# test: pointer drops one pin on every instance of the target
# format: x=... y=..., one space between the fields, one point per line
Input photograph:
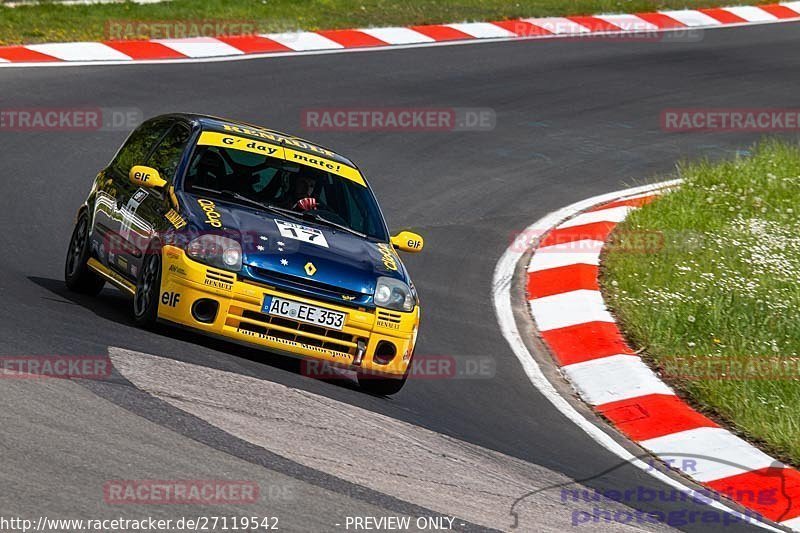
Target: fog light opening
x=205 y=310
x=384 y=353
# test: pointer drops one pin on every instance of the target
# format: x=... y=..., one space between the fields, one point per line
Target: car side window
x=138 y=146
x=167 y=155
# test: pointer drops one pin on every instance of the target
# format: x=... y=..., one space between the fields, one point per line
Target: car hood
x=279 y=249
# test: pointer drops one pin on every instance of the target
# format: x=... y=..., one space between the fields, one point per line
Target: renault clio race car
x=263 y=238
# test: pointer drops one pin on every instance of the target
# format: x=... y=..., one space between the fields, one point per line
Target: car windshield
x=242 y=175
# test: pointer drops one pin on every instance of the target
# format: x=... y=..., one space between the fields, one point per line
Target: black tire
x=148 y=290
x=77 y=275
x=380 y=386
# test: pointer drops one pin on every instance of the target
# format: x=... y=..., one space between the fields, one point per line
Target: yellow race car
x=246 y=233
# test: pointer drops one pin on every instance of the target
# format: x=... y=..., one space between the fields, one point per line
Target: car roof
x=259 y=133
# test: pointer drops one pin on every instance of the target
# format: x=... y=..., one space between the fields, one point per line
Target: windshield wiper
x=322 y=220
x=242 y=198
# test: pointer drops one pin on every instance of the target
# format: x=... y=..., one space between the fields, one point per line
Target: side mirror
x=146 y=177
x=407 y=241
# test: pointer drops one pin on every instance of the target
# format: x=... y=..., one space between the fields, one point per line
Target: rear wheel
x=148 y=288
x=77 y=274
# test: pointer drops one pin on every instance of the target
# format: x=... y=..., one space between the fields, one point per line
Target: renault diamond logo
x=310 y=268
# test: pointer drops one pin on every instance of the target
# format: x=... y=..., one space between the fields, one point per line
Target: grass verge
x=715 y=305
x=51 y=22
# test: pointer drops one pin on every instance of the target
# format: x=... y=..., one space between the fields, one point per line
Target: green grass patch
x=722 y=291
x=52 y=22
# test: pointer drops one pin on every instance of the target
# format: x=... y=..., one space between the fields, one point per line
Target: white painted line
x=569 y=309
x=482 y=30
x=793 y=523
x=304 y=40
x=692 y=18
x=630 y=23
x=613 y=214
x=502 y=282
x=80 y=51
x=584 y=252
x=559 y=25
x=717 y=453
x=751 y=13
x=200 y=47
x=398 y=35
x=614 y=378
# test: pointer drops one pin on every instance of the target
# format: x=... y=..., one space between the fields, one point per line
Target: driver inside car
x=302 y=194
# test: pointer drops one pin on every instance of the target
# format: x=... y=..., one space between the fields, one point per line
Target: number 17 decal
x=298 y=232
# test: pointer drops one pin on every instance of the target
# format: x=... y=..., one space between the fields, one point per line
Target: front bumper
x=239 y=317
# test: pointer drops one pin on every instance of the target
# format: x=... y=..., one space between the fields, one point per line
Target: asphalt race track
x=574 y=119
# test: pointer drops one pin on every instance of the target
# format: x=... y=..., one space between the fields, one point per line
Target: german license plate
x=310 y=314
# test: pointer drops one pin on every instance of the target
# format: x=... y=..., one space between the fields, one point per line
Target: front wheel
x=77 y=275
x=148 y=288
x=381 y=386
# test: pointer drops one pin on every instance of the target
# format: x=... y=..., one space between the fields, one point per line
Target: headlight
x=394 y=294
x=216 y=251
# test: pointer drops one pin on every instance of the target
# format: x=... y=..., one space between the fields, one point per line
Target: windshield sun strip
x=221 y=140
